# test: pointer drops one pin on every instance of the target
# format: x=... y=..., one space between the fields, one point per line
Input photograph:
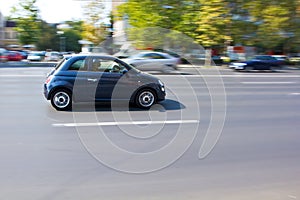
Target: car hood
x=143 y=77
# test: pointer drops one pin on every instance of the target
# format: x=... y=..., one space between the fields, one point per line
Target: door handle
x=92 y=80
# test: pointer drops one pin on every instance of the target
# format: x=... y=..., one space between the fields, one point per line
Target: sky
x=52 y=11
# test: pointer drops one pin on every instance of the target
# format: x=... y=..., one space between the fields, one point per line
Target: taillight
x=48 y=79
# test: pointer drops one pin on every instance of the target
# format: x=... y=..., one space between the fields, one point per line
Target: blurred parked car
x=14 y=56
x=3 y=55
x=182 y=59
x=36 y=56
x=24 y=54
x=295 y=60
x=53 y=56
x=153 y=61
x=201 y=59
x=260 y=62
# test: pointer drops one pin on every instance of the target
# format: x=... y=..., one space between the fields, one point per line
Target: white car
x=153 y=61
x=36 y=56
x=53 y=56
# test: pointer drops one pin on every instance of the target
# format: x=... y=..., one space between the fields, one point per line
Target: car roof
x=157 y=52
x=104 y=56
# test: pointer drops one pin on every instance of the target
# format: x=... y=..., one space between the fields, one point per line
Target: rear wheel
x=61 y=100
x=145 y=98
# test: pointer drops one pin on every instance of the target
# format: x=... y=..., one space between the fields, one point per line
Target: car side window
x=113 y=67
x=157 y=56
x=78 y=65
x=110 y=66
x=147 y=56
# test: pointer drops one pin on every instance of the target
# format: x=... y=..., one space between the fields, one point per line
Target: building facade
x=1 y=30
x=8 y=35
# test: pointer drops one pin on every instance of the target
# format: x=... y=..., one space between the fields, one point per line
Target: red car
x=14 y=56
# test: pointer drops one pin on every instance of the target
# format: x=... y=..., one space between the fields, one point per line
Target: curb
x=28 y=64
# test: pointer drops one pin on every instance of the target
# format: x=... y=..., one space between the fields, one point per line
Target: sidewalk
x=27 y=64
x=225 y=66
x=202 y=66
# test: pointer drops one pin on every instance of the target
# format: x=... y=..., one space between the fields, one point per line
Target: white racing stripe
x=126 y=123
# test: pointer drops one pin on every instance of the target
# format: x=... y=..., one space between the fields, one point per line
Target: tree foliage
x=94 y=29
x=26 y=15
x=212 y=21
x=50 y=39
x=273 y=21
x=268 y=24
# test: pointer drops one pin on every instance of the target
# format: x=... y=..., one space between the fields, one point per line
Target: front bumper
x=237 y=66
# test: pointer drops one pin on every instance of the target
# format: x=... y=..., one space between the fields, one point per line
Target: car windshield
x=35 y=54
x=265 y=58
x=62 y=61
x=140 y=55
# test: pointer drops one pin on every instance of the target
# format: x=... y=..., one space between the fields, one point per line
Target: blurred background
x=227 y=30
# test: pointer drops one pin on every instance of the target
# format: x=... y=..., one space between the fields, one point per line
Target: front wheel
x=145 y=98
x=61 y=100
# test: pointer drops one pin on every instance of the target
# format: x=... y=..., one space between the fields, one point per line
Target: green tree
x=213 y=20
x=71 y=38
x=49 y=39
x=167 y=14
x=268 y=24
x=275 y=21
x=26 y=15
x=188 y=20
x=94 y=29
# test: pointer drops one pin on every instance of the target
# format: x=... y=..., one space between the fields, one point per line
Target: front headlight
x=162 y=86
x=239 y=64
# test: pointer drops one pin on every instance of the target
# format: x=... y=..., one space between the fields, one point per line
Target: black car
x=98 y=78
x=260 y=62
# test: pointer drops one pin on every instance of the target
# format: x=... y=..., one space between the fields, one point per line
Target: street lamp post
x=62 y=41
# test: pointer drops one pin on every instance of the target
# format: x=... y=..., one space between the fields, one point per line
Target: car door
x=263 y=63
x=147 y=62
x=76 y=75
x=103 y=75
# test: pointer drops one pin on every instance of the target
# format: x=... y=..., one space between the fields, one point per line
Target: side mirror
x=124 y=71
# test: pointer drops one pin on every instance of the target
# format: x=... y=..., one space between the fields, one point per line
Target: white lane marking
x=295 y=93
x=233 y=76
x=125 y=123
x=267 y=83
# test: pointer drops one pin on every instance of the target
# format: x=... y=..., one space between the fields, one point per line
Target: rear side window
x=78 y=65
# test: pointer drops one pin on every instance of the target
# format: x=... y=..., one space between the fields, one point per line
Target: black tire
x=61 y=100
x=145 y=98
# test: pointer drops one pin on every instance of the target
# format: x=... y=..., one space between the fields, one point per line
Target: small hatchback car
x=98 y=78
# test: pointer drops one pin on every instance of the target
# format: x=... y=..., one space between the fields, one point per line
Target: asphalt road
x=219 y=135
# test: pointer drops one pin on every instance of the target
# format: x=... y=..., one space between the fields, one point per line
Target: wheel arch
x=146 y=87
x=53 y=90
